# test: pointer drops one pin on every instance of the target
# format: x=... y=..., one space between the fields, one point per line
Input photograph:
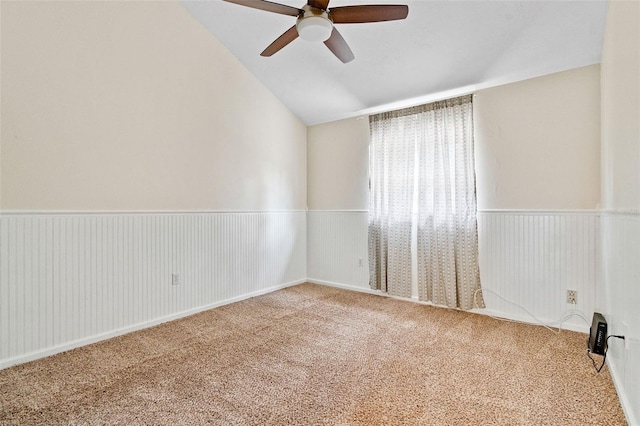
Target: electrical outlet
x=175 y=279
x=572 y=296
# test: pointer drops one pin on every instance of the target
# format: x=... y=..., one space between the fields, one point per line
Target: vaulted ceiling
x=443 y=48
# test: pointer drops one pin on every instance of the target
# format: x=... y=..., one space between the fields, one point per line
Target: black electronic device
x=598 y=334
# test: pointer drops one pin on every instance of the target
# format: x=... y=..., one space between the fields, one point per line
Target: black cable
x=593 y=361
x=604 y=357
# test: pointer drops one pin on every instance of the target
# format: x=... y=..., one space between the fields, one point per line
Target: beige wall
x=621 y=108
x=538 y=142
x=537 y=147
x=619 y=296
x=135 y=106
x=338 y=165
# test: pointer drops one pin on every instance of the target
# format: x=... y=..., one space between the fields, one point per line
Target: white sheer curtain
x=392 y=176
x=433 y=146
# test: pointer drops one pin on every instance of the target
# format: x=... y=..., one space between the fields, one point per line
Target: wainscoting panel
x=338 y=248
x=70 y=279
x=621 y=290
x=531 y=259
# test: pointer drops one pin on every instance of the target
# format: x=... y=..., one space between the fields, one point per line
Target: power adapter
x=597 y=343
x=598 y=334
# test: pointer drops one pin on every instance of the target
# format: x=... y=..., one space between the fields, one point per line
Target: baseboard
x=140 y=326
x=346 y=287
x=509 y=317
x=622 y=396
x=529 y=320
x=519 y=318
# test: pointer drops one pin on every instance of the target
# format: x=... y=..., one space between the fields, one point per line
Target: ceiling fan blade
x=268 y=6
x=319 y=4
x=370 y=13
x=286 y=38
x=339 y=47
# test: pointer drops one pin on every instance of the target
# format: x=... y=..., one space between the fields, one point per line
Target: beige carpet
x=315 y=355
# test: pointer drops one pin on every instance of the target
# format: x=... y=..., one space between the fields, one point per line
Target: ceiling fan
x=316 y=22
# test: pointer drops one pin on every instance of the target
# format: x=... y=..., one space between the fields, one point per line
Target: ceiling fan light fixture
x=314 y=28
x=315 y=22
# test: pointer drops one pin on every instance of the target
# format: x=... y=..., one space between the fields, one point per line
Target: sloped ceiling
x=442 y=49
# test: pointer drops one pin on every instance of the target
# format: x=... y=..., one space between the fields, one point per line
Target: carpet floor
x=314 y=355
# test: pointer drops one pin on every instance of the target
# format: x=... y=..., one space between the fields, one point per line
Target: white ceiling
x=442 y=49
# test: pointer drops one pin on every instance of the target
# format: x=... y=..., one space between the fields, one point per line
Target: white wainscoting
x=621 y=291
x=71 y=279
x=337 y=252
x=530 y=258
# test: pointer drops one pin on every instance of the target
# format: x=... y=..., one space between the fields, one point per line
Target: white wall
x=134 y=109
x=125 y=106
x=67 y=280
x=621 y=198
x=338 y=199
